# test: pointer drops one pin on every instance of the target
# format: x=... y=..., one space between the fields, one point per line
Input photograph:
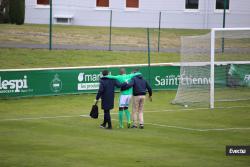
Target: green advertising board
x=45 y=82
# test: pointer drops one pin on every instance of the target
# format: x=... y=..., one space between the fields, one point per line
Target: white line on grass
x=192 y=129
x=193 y=109
x=204 y=108
x=153 y=124
x=195 y=129
x=171 y=126
x=37 y=118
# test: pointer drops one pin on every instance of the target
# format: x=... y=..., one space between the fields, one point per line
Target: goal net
x=215 y=67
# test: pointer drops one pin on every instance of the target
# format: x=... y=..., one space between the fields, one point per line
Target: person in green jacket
x=125 y=95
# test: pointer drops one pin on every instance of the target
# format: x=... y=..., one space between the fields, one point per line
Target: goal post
x=212 y=69
x=227 y=69
x=213 y=37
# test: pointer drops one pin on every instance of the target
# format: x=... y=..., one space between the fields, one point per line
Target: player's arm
x=133 y=74
x=112 y=76
x=119 y=84
x=128 y=85
x=149 y=90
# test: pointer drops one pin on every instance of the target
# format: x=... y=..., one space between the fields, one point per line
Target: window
x=63 y=19
x=220 y=4
x=102 y=3
x=192 y=4
x=132 y=3
x=42 y=2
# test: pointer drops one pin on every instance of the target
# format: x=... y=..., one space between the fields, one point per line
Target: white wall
x=174 y=14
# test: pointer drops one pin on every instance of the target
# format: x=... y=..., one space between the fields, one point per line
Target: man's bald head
x=122 y=71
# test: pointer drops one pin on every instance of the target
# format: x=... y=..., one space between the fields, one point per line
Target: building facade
x=197 y=14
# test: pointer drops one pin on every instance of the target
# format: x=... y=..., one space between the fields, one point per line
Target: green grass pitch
x=49 y=132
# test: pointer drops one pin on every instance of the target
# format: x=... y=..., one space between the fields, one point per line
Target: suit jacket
x=140 y=86
x=107 y=92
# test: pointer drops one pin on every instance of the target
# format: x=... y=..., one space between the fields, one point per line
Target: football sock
x=128 y=116
x=121 y=119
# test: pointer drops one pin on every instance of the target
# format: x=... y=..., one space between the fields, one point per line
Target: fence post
x=50 y=26
x=159 y=32
x=110 y=30
x=149 y=62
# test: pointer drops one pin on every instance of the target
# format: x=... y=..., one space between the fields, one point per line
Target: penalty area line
x=195 y=129
x=192 y=129
x=153 y=124
x=194 y=109
x=146 y=111
x=38 y=118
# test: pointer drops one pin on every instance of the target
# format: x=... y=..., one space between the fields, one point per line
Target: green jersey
x=124 y=78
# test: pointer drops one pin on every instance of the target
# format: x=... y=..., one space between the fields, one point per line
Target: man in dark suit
x=106 y=93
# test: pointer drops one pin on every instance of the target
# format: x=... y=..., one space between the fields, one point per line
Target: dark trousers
x=107 y=118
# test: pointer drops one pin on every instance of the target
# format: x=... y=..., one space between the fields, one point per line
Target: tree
x=20 y=10
x=12 y=11
x=4 y=11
